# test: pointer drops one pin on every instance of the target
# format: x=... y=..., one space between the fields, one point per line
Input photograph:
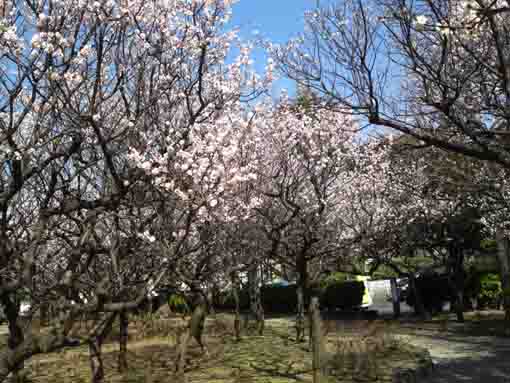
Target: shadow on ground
x=493 y=368
x=463 y=357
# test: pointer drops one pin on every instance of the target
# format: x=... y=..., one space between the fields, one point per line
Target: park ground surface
x=468 y=353
x=274 y=357
x=472 y=352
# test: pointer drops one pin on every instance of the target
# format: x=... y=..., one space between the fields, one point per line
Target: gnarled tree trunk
x=210 y=301
x=256 y=308
x=123 y=340
x=315 y=338
x=237 y=314
x=419 y=307
x=260 y=319
x=44 y=314
x=194 y=329
x=503 y=244
x=15 y=338
x=302 y=269
x=31 y=345
x=95 y=345
x=457 y=269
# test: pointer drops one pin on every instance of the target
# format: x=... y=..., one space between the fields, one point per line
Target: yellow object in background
x=367 y=299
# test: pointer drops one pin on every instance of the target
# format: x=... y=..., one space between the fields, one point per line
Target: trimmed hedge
x=333 y=278
x=283 y=299
x=275 y=298
x=344 y=295
x=280 y=299
x=434 y=289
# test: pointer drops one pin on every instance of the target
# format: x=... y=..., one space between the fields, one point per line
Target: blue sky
x=274 y=20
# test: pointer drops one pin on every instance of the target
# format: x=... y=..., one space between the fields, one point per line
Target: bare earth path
x=466 y=359
x=459 y=358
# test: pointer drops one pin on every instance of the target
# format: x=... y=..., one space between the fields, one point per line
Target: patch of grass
x=273 y=358
x=365 y=358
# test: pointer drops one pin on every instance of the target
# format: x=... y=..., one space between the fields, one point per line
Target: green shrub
x=489 y=244
x=490 y=290
x=178 y=304
x=485 y=288
x=344 y=295
x=331 y=279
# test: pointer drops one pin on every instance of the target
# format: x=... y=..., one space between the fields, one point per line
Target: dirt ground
x=274 y=357
x=471 y=352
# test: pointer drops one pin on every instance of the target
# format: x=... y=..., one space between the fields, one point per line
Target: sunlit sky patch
x=273 y=20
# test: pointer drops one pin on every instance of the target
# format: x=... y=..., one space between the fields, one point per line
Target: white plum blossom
x=421 y=21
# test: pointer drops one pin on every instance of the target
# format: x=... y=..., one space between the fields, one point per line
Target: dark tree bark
x=210 y=301
x=395 y=298
x=302 y=269
x=44 y=314
x=96 y=362
x=237 y=314
x=15 y=339
x=315 y=338
x=194 y=329
x=257 y=311
x=123 y=340
x=458 y=277
x=504 y=261
x=95 y=345
x=419 y=307
x=197 y=323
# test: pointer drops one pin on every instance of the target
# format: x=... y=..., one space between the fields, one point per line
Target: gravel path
x=466 y=359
